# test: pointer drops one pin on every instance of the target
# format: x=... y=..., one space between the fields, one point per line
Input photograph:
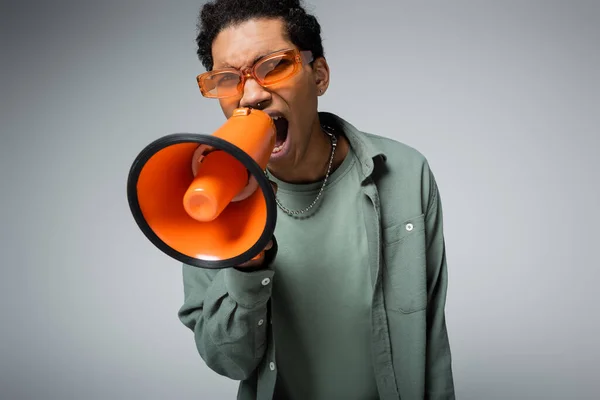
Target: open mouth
x=281 y=124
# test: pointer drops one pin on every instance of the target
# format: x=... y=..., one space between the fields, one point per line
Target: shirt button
x=266 y=281
x=272 y=366
x=409 y=227
x=262 y=321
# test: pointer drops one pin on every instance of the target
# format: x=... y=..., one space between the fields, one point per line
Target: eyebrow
x=226 y=65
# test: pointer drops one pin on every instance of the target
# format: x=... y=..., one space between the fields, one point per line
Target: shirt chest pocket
x=404 y=272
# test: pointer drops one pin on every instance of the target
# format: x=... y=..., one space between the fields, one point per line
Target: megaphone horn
x=205 y=200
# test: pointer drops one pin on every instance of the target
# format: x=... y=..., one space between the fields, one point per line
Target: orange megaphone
x=205 y=200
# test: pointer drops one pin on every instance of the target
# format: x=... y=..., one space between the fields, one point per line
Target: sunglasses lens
x=276 y=69
x=273 y=69
x=221 y=84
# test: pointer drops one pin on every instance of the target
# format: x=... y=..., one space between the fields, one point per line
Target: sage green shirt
x=229 y=311
x=322 y=292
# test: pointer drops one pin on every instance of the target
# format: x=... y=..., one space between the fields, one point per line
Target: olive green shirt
x=230 y=311
x=321 y=298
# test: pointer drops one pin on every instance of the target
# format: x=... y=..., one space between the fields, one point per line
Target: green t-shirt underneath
x=322 y=292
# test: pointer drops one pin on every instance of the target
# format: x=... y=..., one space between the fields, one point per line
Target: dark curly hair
x=303 y=29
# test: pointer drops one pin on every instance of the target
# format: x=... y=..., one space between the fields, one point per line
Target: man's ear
x=321 y=74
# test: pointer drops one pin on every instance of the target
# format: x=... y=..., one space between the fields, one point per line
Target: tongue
x=282 y=127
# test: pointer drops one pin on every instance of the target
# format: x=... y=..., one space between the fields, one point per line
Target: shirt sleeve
x=439 y=377
x=227 y=311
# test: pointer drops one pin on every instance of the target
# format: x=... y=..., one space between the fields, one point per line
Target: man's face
x=294 y=99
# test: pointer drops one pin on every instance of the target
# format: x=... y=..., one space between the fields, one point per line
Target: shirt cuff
x=249 y=289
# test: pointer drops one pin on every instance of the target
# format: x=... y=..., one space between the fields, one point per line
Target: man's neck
x=316 y=163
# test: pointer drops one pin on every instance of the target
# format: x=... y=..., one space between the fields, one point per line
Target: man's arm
x=439 y=377
x=227 y=311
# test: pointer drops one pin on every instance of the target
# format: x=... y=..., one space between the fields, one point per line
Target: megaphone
x=205 y=200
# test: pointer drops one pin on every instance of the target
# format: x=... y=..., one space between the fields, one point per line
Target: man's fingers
x=255 y=262
x=259 y=259
x=269 y=245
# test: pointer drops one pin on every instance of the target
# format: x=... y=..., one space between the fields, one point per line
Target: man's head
x=234 y=35
x=302 y=29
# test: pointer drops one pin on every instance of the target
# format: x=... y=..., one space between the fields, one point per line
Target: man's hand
x=259 y=259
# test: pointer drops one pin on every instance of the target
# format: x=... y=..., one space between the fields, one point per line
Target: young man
x=349 y=301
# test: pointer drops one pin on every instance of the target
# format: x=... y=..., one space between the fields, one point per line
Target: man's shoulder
x=399 y=156
x=401 y=161
x=400 y=171
x=394 y=150
x=403 y=177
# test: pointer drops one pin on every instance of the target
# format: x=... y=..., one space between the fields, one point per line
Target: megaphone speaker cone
x=217 y=214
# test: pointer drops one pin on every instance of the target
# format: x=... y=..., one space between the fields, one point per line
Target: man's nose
x=253 y=94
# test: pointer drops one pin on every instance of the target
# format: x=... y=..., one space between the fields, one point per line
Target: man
x=348 y=302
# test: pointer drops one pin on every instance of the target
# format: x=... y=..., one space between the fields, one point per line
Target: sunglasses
x=267 y=71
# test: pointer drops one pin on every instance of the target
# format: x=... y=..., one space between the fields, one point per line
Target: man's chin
x=279 y=166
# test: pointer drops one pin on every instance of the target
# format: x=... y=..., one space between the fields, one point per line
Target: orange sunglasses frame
x=300 y=57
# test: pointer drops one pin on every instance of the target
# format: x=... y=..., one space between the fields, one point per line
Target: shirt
x=229 y=311
x=321 y=297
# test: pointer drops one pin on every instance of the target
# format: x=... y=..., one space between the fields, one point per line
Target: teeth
x=280 y=147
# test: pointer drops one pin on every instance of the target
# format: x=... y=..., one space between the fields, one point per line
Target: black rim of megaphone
x=220 y=144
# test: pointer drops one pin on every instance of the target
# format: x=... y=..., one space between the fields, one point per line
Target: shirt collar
x=367 y=151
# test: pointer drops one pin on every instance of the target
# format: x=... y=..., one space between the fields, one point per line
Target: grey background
x=502 y=97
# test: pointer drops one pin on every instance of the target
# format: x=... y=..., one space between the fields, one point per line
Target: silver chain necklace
x=333 y=147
